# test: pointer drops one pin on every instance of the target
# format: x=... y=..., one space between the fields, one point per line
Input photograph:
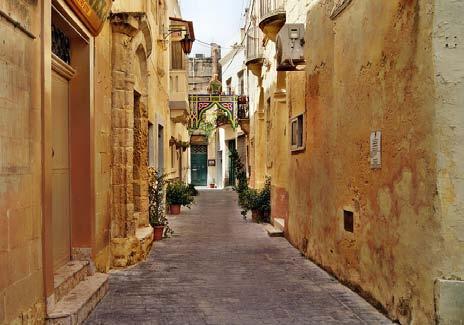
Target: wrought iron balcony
x=273 y=17
x=244 y=114
x=243 y=108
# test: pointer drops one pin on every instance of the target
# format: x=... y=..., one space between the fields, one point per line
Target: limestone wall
x=21 y=268
x=103 y=154
x=382 y=65
x=447 y=35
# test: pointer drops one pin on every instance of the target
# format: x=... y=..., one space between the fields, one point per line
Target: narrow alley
x=337 y=123
x=220 y=269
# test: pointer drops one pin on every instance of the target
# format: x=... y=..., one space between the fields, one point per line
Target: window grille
x=61 y=45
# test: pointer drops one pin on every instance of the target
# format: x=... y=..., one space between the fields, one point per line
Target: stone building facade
x=84 y=110
x=202 y=69
x=380 y=77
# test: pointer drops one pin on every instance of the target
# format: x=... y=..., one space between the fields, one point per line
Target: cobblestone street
x=220 y=269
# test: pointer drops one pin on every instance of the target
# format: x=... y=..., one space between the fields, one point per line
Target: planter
x=174 y=209
x=212 y=185
x=158 y=232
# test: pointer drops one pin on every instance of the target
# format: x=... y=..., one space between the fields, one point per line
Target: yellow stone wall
x=21 y=271
x=375 y=67
x=103 y=152
x=21 y=179
x=393 y=66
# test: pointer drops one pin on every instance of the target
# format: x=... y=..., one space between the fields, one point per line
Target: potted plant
x=178 y=194
x=213 y=184
x=251 y=202
x=264 y=201
x=156 y=208
x=184 y=145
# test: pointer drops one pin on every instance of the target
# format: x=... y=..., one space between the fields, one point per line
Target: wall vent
x=348 y=220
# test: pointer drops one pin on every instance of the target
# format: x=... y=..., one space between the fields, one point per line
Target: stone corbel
x=125 y=23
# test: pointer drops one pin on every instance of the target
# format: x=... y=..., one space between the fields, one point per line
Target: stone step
x=68 y=277
x=279 y=223
x=273 y=231
x=75 y=307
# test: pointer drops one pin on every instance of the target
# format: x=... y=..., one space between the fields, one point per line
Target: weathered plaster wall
x=372 y=68
x=21 y=268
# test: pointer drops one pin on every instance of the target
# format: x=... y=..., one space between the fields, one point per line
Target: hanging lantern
x=186 y=44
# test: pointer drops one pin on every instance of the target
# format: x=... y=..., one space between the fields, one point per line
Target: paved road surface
x=220 y=269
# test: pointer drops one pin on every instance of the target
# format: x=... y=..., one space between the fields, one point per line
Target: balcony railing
x=271 y=7
x=254 y=50
x=243 y=108
x=243 y=114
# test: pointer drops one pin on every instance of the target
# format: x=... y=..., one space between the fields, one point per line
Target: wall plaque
x=376 y=150
x=93 y=13
x=211 y=162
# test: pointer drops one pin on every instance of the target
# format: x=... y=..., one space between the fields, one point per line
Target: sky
x=214 y=21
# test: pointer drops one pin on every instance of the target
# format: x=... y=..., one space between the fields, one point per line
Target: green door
x=199 y=163
x=232 y=176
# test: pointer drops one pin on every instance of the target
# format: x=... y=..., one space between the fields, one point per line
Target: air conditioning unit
x=290 y=48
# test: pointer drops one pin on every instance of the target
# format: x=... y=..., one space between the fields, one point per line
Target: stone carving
x=93 y=13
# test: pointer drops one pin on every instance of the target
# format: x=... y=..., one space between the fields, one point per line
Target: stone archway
x=140 y=152
x=131 y=236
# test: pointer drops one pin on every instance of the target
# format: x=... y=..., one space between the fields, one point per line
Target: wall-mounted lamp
x=186 y=42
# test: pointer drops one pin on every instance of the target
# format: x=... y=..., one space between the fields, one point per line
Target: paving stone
x=221 y=269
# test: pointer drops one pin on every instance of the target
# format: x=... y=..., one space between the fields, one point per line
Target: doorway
x=232 y=175
x=199 y=162
x=61 y=172
x=160 y=148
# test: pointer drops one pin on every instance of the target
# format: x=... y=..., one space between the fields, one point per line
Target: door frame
x=67 y=72
x=82 y=140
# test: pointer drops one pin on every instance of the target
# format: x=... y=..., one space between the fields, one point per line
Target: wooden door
x=61 y=217
x=199 y=163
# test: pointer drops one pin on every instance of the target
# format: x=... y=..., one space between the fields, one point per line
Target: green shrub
x=178 y=193
x=250 y=198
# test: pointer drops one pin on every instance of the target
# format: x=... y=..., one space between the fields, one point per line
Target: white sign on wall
x=376 y=149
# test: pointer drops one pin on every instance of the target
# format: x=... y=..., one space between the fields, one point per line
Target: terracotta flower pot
x=158 y=232
x=174 y=209
x=212 y=186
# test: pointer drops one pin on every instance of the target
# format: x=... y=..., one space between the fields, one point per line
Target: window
x=173 y=157
x=151 y=145
x=229 y=86
x=160 y=147
x=297 y=133
x=177 y=56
